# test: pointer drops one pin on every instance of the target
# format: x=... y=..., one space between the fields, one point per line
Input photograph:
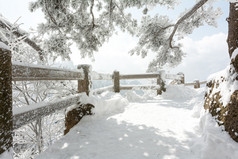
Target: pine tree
x=91 y=23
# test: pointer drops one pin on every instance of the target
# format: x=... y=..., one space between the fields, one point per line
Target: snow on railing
x=28 y=114
x=22 y=72
x=29 y=72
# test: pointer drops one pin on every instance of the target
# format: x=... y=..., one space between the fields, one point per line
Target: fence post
x=161 y=83
x=6 y=116
x=74 y=116
x=182 y=79
x=116 y=81
x=85 y=84
x=196 y=84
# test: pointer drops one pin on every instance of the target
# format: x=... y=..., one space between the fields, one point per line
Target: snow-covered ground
x=171 y=126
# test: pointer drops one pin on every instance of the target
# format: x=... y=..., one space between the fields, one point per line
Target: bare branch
x=28 y=103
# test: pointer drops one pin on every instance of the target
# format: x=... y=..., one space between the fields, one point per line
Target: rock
x=75 y=115
x=225 y=115
x=231 y=120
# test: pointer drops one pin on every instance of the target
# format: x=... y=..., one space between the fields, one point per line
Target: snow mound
x=7 y=155
x=133 y=97
x=4 y=46
x=179 y=92
x=108 y=103
x=214 y=143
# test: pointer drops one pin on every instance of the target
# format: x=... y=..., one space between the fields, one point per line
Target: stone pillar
x=6 y=117
x=116 y=81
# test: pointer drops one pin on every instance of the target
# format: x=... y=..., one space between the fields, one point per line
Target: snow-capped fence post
x=196 y=84
x=6 y=116
x=116 y=81
x=85 y=84
x=182 y=81
x=75 y=115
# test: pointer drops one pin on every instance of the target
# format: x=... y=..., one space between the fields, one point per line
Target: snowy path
x=156 y=129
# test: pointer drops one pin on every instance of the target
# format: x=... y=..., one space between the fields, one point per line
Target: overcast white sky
x=206 y=48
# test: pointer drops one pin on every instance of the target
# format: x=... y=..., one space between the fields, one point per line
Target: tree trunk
x=232 y=20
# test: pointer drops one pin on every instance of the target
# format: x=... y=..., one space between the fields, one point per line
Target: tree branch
x=110 y=12
x=183 y=18
x=8 y=26
x=91 y=12
x=52 y=18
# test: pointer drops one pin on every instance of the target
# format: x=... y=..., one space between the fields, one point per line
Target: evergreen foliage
x=90 y=23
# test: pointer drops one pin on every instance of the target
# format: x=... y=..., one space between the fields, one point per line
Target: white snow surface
x=171 y=126
x=4 y=46
x=235 y=52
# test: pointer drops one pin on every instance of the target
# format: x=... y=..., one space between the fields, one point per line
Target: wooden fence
x=18 y=72
x=21 y=72
x=196 y=83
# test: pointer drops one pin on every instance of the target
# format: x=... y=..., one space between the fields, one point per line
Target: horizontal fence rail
x=196 y=83
x=158 y=76
x=103 y=89
x=23 y=72
x=100 y=76
x=139 y=76
x=28 y=114
x=150 y=75
x=139 y=87
x=203 y=82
